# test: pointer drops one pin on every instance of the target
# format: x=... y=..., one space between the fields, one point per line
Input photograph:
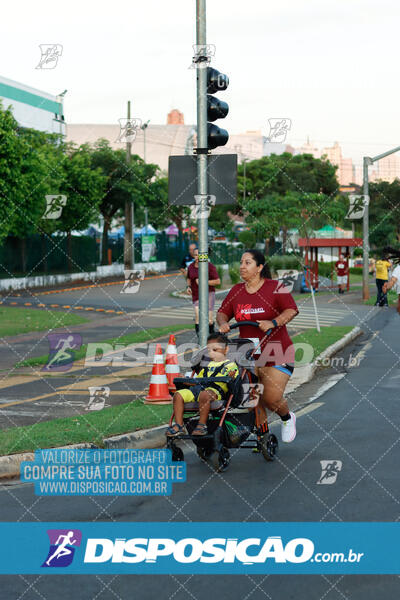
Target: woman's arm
x=214 y=282
x=223 y=322
x=287 y=315
x=389 y=284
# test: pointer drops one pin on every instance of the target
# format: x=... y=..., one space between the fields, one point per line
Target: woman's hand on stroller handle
x=266 y=326
x=225 y=327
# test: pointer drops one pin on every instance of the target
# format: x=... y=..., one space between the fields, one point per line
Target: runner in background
x=382 y=267
x=395 y=278
x=187 y=260
x=342 y=272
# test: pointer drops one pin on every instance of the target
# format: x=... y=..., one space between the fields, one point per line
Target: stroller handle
x=252 y=323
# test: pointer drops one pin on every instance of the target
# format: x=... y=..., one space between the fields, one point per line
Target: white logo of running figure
x=132 y=281
x=128 y=130
x=50 y=55
x=54 y=206
x=62 y=549
x=286 y=281
x=357 y=206
x=98 y=397
x=202 y=55
x=196 y=212
x=330 y=471
x=278 y=129
x=251 y=394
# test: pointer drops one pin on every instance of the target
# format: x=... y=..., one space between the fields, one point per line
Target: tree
x=124 y=182
x=41 y=174
x=84 y=187
x=11 y=156
x=279 y=188
x=384 y=213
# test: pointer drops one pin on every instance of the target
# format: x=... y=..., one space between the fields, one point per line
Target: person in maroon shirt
x=193 y=288
x=264 y=300
x=342 y=271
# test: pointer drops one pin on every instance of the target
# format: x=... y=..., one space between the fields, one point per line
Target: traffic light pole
x=367 y=161
x=129 y=213
x=202 y=222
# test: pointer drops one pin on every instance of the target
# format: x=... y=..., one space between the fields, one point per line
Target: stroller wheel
x=269 y=446
x=220 y=460
x=177 y=453
x=203 y=453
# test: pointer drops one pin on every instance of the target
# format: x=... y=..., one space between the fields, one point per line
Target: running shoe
x=288 y=429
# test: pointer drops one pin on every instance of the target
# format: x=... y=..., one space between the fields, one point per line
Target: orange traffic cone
x=171 y=363
x=158 y=390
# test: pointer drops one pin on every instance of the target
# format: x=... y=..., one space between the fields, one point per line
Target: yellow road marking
x=66 y=393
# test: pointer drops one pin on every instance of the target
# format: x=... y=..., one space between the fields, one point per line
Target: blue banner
x=199 y=548
x=98 y=472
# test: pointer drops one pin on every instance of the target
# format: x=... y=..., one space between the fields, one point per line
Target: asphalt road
x=356 y=422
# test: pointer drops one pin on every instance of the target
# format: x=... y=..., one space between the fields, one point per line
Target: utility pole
x=367 y=161
x=202 y=151
x=244 y=181
x=144 y=127
x=129 y=257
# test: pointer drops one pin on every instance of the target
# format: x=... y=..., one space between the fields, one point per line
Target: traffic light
x=216 y=108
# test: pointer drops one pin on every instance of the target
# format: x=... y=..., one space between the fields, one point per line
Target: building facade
x=31 y=107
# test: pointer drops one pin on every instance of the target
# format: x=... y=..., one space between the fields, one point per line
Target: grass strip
x=92 y=427
x=130 y=338
x=320 y=341
x=391 y=296
x=14 y=321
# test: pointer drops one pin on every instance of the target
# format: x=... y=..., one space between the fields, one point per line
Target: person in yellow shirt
x=382 y=266
x=219 y=366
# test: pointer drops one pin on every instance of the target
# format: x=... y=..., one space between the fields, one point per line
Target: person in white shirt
x=394 y=280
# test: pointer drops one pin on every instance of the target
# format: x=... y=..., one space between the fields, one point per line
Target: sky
x=329 y=66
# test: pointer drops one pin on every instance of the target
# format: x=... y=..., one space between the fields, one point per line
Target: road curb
x=155 y=437
x=9 y=465
x=144 y=438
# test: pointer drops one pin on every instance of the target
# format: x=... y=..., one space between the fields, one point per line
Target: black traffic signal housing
x=216 y=108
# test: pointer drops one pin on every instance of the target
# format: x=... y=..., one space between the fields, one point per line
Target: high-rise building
x=309 y=148
x=388 y=168
x=345 y=173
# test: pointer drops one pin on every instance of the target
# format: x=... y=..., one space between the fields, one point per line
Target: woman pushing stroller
x=264 y=300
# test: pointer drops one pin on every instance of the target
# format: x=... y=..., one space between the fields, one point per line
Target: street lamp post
x=244 y=180
x=60 y=117
x=129 y=254
x=144 y=127
x=367 y=161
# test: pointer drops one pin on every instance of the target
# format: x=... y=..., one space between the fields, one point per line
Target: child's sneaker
x=288 y=428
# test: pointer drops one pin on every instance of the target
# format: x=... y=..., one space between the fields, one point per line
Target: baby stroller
x=232 y=420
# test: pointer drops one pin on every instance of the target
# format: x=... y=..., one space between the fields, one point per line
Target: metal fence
x=38 y=255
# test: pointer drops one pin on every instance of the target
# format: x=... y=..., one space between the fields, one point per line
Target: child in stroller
x=218 y=368
x=226 y=421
